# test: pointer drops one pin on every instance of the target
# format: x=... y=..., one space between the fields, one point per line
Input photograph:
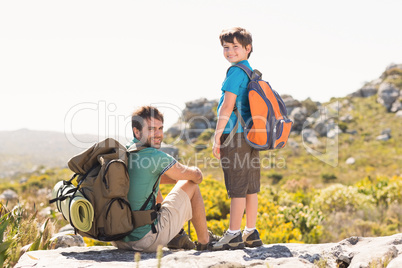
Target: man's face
x=151 y=133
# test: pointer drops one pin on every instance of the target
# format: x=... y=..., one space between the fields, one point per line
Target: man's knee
x=188 y=187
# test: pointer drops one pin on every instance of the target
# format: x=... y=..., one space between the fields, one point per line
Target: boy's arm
x=225 y=111
x=181 y=172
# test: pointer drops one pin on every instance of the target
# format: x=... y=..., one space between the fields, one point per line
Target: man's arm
x=167 y=180
x=181 y=172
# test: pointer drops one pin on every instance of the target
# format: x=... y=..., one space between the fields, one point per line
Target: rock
x=367 y=90
x=8 y=195
x=298 y=116
x=202 y=108
x=346 y=118
x=197 y=116
x=310 y=136
x=397 y=105
x=385 y=135
x=61 y=240
x=350 y=161
x=387 y=95
x=321 y=128
x=332 y=133
x=290 y=103
x=351 y=252
x=170 y=150
x=399 y=114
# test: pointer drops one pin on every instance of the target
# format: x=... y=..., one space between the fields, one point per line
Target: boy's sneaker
x=208 y=246
x=252 y=239
x=229 y=241
x=181 y=241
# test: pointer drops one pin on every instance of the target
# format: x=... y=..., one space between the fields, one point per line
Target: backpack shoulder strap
x=253 y=75
x=136 y=147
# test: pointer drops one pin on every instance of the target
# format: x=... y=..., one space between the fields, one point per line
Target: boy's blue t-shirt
x=236 y=81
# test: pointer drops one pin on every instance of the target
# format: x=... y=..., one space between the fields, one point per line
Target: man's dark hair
x=242 y=36
x=145 y=112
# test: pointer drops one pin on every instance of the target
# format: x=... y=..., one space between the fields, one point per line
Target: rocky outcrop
x=351 y=252
x=197 y=116
x=388 y=94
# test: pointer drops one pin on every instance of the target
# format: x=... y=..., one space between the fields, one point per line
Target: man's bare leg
x=197 y=205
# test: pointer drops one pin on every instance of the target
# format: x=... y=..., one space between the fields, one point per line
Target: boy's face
x=235 y=52
x=151 y=133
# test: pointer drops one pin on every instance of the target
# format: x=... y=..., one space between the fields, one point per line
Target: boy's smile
x=235 y=52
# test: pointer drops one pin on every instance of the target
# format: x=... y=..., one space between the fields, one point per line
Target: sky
x=84 y=66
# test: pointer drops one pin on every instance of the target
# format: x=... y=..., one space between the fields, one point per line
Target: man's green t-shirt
x=144 y=169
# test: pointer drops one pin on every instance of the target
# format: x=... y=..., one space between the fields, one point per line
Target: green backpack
x=98 y=206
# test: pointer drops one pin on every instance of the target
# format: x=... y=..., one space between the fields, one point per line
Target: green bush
x=340 y=197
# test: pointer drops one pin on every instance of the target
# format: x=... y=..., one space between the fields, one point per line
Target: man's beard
x=148 y=143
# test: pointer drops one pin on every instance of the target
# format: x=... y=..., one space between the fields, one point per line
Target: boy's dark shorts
x=241 y=166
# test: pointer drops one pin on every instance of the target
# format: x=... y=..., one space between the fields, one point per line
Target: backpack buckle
x=256 y=75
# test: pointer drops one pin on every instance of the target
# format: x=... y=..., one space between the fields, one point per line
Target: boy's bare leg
x=199 y=219
x=251 y=210
x=237 y=206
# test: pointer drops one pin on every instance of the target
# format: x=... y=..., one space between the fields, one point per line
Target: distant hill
x=24 y=150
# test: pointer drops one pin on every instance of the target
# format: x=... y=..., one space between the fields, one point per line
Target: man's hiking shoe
x=229 y=241
x=252 y=239
x=181 y=241
x=212 y=238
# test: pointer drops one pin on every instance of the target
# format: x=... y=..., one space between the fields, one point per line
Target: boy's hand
x=216 y=149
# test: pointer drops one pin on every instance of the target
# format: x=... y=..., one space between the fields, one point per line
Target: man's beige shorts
x=174 y=212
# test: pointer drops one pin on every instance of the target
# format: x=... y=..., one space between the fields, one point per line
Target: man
x=184 y=202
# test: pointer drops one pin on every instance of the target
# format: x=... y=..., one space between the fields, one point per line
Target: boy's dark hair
x=145 y=112
x=242 y=36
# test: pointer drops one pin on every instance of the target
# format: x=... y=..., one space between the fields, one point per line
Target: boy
x=240 y=162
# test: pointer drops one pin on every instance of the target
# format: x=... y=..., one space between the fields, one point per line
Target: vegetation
x=302 y=199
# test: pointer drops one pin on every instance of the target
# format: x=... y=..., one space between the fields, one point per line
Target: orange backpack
x=270 y=127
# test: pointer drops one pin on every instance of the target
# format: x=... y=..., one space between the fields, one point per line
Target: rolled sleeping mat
x=77 y=206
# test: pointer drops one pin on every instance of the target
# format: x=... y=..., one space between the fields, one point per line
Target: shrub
x=339 y=197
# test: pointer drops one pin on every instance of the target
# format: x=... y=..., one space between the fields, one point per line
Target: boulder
x=368 y=89
x=387 y=95
x=197 y=116
x=385 y=135
x=351 y=252
x=298 y=116
x=8 y=195
x=200 y=108
x=290 y=103
x=170 y=150
x=350 y=161
x=397 y=105
x=310 y=136
x=67 y=240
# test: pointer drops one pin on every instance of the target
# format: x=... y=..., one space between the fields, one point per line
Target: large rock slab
x=351 y=252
